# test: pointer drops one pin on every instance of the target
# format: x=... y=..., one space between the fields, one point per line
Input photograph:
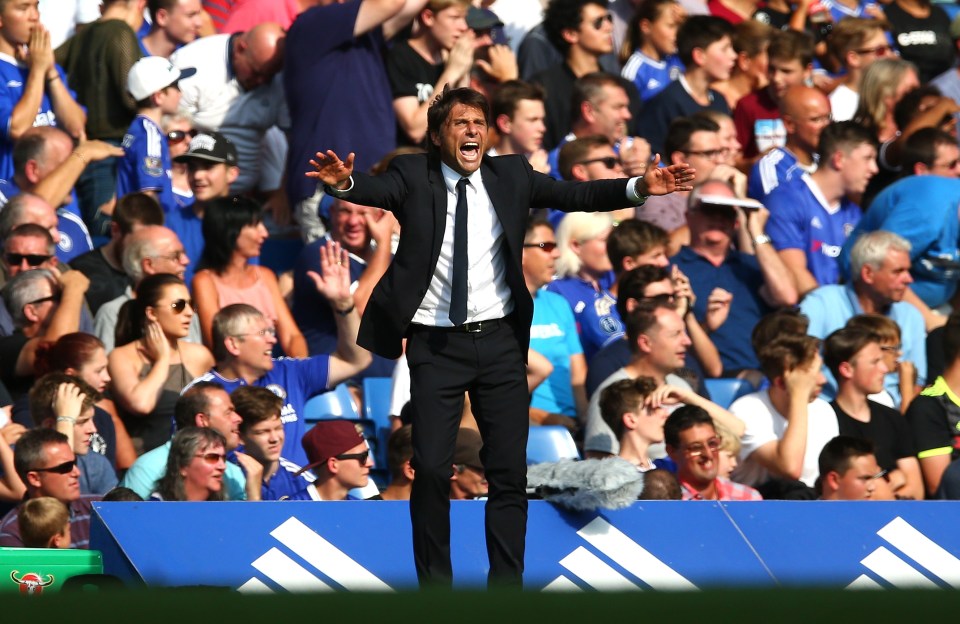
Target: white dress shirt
x=488 y=296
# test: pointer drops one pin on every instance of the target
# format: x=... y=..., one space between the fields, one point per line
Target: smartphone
x=731 y=202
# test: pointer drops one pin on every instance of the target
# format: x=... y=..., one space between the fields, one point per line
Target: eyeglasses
x=34 y=260
x=179 y=136
x=54 y=298
x=263 y=333
x=64 y=468
x=212 y=458
x=897 y=348
x=711 y=154
x=880 y=50
x=180 y=305
x=880 y=475
x=548 y=246
x=173 y=256
x=598 y=22
x=608 y=161
x=696 y=450
x=360 y=457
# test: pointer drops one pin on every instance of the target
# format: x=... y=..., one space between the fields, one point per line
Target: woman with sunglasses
x=179 y=131
x=234 y=234
x=195 y=467
x=83 y=355
x=153 y=365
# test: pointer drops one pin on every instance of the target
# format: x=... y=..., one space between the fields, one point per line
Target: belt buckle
x=473 y=328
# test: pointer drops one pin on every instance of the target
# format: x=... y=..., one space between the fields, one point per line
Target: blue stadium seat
x=724 y=392
x=376 y=408
x=336 y=403
x=550 y=443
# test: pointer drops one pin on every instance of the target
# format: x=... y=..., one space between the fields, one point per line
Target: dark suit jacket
x=413 y=189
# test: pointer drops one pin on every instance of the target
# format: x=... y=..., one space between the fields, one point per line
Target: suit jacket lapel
x=501 y=200
x=439 y=191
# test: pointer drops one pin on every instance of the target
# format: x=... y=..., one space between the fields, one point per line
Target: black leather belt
x=475 y=327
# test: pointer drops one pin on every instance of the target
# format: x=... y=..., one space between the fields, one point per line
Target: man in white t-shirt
x=856 y=42
x=658 y=338
x=786 y=425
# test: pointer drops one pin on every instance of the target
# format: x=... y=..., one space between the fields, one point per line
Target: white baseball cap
x=153 y=73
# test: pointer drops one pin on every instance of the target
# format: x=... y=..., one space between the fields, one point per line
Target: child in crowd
x=652 y=39
x=44 y=523
x=146 y=165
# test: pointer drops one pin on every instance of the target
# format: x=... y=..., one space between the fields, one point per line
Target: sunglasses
x=64 y=468
x=598 y=22
x=34 y=260
x=263 y=333
x=212 y=458
x=880 y=50
x=179 y=136
x=360 y=457
x=55 y=298
x=180 y=305
x=608 y=161
x=696 y=450
x=547 y=246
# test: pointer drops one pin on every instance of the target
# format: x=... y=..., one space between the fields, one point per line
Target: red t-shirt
x=751 y=108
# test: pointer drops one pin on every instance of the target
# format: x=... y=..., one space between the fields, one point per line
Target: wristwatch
x=760 y=239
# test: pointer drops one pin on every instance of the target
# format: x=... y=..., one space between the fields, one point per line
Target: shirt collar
x=451 y=177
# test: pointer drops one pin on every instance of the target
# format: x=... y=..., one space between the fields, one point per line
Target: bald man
x=147 y=251
x=236 y=92
x=805 y=112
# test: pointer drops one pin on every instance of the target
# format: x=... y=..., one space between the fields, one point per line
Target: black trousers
x=490 y=366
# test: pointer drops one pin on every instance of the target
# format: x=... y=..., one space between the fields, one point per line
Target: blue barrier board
x=360 y=545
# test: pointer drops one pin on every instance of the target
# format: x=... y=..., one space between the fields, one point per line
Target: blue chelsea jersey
x=13 y=79
x=145 y=165
x=294 y=380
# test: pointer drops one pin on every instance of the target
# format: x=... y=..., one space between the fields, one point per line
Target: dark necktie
x=458 y=283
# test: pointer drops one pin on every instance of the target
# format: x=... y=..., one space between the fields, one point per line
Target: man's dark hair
x=32 y=230
x=791 y=45
x=575 y=151
x=951 y=337
x=29 y=453
x=561 y=15
x=589 y=89
x=660 y=484
x=843 y=345
x=533 y=222
x=255 y=405
x=909 y=105
x=782 y=322
x=843 y=136
x=838 y=454
x=443 y=104
x=620 y=397
x=155 y=5
x=633 y=282
x=43 y=395
x=786 y=353
x=699 y=31
x=642 y=318
x=683 y=418
x=509 y=95
x=193 y=401
x=921 y=147
x=30 y=147
x=680 y=131
x=399 y=450
x=633 y=237
x=137 y=209
x=122 y=494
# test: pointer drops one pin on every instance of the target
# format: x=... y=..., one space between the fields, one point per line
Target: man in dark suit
x=456 y=291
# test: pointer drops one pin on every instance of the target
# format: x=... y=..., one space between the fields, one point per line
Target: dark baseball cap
x=210 y=146
x=482 y=19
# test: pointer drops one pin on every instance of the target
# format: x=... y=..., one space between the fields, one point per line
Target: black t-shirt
x=887 y=429
x=106 y=282
x=410 y=75
x=10 y=348
x=766 y=15
x=934 y=420
x=924 y=42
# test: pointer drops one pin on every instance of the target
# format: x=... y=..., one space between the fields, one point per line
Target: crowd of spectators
x=152 y=147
